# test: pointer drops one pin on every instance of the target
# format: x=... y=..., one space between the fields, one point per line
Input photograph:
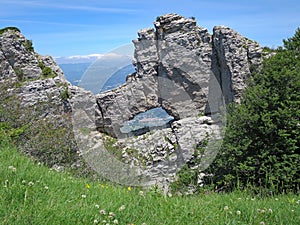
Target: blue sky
x=81 y=27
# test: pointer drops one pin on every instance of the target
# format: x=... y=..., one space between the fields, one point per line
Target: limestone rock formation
x=180 y=67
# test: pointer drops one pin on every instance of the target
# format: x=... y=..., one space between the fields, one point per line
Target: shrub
x=9 y=28
x=262 y=143
x=28 y=45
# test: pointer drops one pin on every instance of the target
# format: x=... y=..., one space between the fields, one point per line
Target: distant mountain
x=74 y=71
x=118 y=78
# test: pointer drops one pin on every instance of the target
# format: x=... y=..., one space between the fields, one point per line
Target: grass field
x=34 y=194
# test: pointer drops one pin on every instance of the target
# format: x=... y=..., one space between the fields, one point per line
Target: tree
x=262 y=141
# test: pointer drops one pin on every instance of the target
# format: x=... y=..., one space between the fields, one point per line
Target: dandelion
x=83 y=196
x=226 y=208
x=129 y=188
x=46 y=187
x=96 y=221
x=122 y=208
x=30 y=183
x=102 y=212
x=238 y=212
x=141 y=193
x=88 y=186
x=262 y=223
x=97 y=206
x=24 y=182
x=116 y=221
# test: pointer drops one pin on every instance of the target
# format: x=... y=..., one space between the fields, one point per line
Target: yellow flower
x=129 y=188
x=88 y=186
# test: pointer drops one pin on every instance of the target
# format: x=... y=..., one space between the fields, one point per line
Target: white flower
x=141 y=193
x=122 y=208
x=270 y=210
x=96 y=221
x=97 y=206
x=116 y=221
x=12 y=168
x=83 y=196
x=46 y=187
x=262 y=223
x=24 y=182
x=226 y=208
x=102 y=211
x=238 y=212
x=30 y=183
x=111 y=215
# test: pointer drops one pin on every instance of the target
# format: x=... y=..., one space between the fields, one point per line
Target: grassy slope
x=57 y=198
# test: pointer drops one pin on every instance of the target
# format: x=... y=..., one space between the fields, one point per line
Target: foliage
x=64 y=95
x=20 y=74
x=187 y=178
x=9 y=28
x=47 y=72
x=28 y=45
x=33 y=194
x=261 y=146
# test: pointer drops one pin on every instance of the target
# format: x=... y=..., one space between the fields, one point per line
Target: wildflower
x=122 y=208
x=96 y=221
x=129 y=188
x=12 y=168
x=111 y=215
x=262 y=223
x=30 y=183
x=276 y=199
x=252 y=199
x=270 y=210
x=226 y=208
x=46 y=187
x=116 y=221
x=83 y=196
x=238 y=212
x=88 y=186
x=24 y=182
x=102 y=211
x=97 y=206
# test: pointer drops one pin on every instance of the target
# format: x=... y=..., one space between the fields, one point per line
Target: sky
x=83 y=27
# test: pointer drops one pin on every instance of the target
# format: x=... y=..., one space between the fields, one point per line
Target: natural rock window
x=142 y=123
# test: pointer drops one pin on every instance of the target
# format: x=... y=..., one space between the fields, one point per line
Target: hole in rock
x=142 y=123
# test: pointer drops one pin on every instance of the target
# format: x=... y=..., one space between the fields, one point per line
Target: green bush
x=262 y=142
x=9 y=28
x=28 y=45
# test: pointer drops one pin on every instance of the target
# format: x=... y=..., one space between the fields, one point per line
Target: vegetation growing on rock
x=262 y=143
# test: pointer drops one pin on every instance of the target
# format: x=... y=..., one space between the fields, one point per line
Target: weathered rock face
x=179 y=67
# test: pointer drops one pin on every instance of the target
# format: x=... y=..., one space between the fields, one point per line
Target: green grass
x=34 y=194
